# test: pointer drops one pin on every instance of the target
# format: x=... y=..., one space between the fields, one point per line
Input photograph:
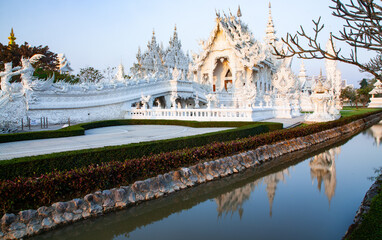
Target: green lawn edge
x=31 y=193
x=371 y=226
x=63 y=161
x=79 y=129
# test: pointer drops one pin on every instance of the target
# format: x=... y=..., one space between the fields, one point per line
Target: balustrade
x=201 y=114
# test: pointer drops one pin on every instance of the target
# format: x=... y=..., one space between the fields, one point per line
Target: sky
x=105 y=33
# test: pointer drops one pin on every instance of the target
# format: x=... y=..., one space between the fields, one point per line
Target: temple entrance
x=222 y=76
x=228 y=80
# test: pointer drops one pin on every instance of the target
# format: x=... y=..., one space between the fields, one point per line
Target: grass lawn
x=350 y=111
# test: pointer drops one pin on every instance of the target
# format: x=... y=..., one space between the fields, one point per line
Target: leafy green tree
x=363 y=92
x=15 y=52
x=348 y=94
x=90 y=74
x=363 y=83
x=45 y=74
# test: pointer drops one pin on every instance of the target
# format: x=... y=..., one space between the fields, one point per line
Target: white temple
x=63 y=64
x=376 y=102
x=233 y=78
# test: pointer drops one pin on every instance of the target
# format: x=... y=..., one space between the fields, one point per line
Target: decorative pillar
x=167 y=100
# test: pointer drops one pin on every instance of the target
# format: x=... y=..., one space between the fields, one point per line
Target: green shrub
x=79 y=129
x=12 y=137
x=33 y=192
x=36 y=165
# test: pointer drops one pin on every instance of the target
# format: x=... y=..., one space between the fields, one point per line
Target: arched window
x=228 y=74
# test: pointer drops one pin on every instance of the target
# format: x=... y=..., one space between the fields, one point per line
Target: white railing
x=201 y=114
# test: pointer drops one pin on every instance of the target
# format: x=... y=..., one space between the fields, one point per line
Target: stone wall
x=31 y=222
x=365 y=206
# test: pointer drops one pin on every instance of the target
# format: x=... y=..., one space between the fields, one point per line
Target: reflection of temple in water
x=376 y=132
x=323 y=168
x=272 y=180
x=233 y=201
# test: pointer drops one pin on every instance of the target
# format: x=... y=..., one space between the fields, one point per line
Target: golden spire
x=239 y=12
x=11 y=39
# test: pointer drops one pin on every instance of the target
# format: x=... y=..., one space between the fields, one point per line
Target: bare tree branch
x=362 y=30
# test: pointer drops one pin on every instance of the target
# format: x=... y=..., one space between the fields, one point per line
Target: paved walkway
x=99 y=137
x=287 y=122
x=108 y=136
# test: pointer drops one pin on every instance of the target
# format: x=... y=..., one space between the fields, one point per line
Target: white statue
x=210 y=97
x=145 y=100
x=321 y=102
x=28 y=70
x=158 y=103
x=120 y=75
x=197 y=101
x=6 y=76
x=173 y=98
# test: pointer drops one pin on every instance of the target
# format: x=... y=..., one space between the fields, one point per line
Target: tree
x=109 y=73
x=14 y=53
x=348 y=94
x=45 y=74
x=362 y=30
x=90 y=74
x=363 y=83
x=363 y=92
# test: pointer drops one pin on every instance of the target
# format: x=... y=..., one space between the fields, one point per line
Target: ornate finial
x=175 y=28
x=270 y=31
x=153 y=32
x=302 y=64
x=11 y=39
x=239 y=12
x=302 y=74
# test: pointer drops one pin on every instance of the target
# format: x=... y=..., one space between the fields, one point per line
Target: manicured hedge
x=12 y=137
x=36 y=165
x=79 y=129
x=23 y=193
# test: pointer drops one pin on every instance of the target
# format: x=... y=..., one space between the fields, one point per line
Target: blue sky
x=101 y=33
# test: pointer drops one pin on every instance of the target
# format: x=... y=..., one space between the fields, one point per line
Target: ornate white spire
x=302 y=74
x=153 y=38
x=139 y=56
x=174 y=55
x=332 y=75
x=63 y=64
x=270 y=36
x=120 y=76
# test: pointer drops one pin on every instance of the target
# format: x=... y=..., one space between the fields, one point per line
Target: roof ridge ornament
x=239 y=12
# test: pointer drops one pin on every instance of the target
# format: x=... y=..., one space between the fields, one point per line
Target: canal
x=312 y=195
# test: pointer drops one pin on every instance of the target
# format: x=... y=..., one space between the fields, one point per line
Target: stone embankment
x=365 y=206
x=31 y=222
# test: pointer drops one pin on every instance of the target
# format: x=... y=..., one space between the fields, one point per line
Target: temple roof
x=250 y=52
x=246 y=48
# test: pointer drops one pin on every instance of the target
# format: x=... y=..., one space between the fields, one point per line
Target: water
x=311 y=196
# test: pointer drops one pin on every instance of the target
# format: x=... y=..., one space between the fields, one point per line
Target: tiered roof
x=248 y=50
